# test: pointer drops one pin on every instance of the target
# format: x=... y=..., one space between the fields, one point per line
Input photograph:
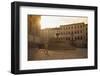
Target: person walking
x=46 y=49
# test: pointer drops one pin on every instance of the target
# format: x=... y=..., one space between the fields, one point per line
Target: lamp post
x=46 y=45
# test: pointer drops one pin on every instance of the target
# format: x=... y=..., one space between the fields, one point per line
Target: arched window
x=72 y=32
x=80 y=31
x=78 y=37
x=75 y=27
x=80 y=26
x=77 y=32
x=81 y=37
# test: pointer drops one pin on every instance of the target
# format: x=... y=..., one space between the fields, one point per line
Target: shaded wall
x=33 y=30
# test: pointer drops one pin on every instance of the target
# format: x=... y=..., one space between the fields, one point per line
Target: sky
x=56 y=21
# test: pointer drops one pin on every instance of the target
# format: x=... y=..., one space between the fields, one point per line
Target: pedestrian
x=46 y=49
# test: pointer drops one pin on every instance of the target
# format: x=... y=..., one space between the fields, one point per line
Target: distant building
x=74 y=34
x=48 y=33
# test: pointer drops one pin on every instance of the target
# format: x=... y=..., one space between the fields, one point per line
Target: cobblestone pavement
x=43 y=54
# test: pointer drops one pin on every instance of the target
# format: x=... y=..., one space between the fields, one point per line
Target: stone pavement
x=43 y=54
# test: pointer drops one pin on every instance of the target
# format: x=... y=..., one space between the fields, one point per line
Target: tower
x=34 y=30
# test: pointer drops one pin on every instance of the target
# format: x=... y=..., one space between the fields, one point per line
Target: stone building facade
x=73 y=34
